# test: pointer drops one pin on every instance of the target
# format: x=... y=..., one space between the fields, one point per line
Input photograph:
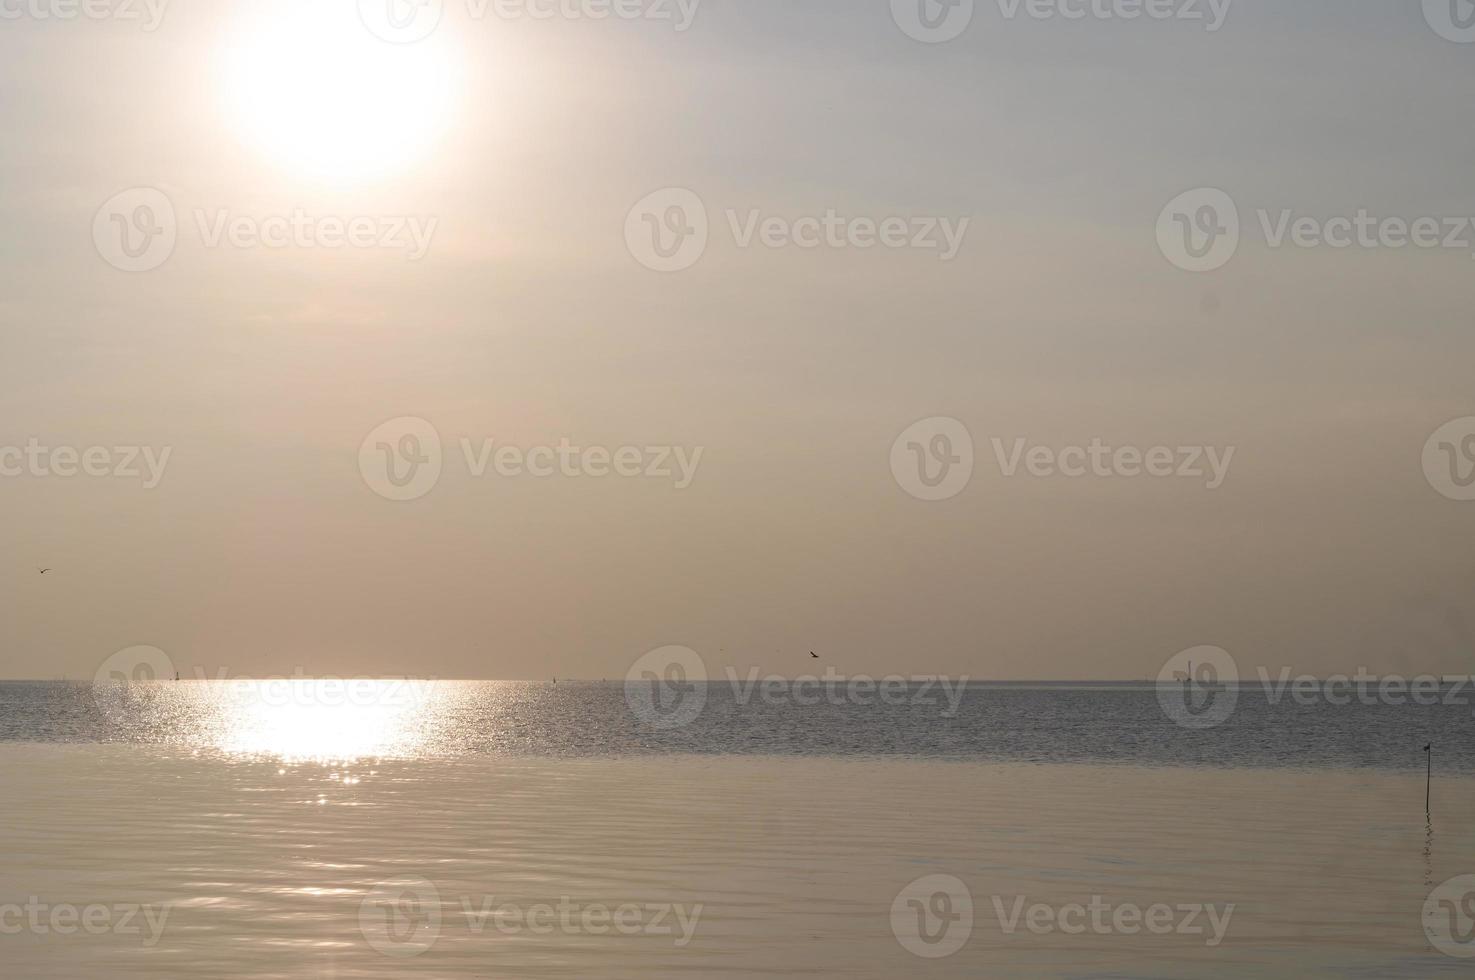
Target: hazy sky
x=263 y=549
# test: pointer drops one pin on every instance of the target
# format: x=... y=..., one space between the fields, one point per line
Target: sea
x=427 y=828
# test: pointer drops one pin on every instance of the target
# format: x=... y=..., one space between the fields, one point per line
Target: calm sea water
x=1056 y=723
x=469 y=830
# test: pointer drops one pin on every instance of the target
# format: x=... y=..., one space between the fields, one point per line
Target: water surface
x=308 y=832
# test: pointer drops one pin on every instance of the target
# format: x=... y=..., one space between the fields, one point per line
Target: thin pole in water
x=1428 y=774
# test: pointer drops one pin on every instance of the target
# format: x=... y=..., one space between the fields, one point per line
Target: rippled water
x=300 y=834
x=266 y=868
x=415 y=718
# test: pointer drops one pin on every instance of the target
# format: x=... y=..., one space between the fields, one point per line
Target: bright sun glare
x=308 y=85
x=304 y=720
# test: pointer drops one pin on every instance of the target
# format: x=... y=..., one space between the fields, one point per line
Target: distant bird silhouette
x=43 y=571
x=814 y=655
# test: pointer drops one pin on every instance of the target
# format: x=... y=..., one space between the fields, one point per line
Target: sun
x=309 y=86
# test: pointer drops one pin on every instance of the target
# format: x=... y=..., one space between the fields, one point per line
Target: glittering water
x=469 y=829
x=300 y=719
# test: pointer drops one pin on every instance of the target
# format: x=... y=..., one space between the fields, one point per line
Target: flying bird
x=43 y=571
x=814 y=655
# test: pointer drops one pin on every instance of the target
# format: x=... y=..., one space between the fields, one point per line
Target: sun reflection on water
x=307 y=720
x=339 y=721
